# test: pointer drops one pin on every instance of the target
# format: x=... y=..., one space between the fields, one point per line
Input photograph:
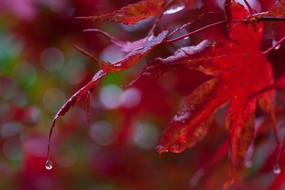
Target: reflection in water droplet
x=277 y=47
x=274 y=42
x=181 y=116
x=48 y=165
x=174 y=9
x=276 y=169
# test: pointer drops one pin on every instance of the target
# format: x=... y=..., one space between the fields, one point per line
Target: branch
x=105 y=34
x=195 y=31
x=100 y=63
x=272 y=18
x=188 y=23
x=167 y=5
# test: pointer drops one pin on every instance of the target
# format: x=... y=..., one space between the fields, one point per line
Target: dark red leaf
x=75 y=98
x=138 y=50
x=133 y=13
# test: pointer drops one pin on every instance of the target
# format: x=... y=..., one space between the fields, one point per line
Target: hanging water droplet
x=276 y=169
x=48 y=165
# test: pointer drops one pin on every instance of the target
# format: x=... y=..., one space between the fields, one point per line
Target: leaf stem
x=106 y=35
x=157 y=19
x=266 y=52
x=188 y=23
x=100 y=63
x=195 y=31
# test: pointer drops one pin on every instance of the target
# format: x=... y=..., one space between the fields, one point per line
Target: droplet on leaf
x=181 y=117
x=274 y=43
x=276 y=169
x=48 y=165
x=174 y=9
x=277 y=47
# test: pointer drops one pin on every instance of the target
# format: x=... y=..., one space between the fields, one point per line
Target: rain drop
x=277 y=47
x=174 y=9
x=48 y=165
x=274 y=42
x=276 y=169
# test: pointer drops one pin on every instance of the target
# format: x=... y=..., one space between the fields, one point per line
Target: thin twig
x=195 y=31
x=105 y=34
x=157 y=19
x=188 y=24
x=180 y=28
x=272 y=18
x=100 y=63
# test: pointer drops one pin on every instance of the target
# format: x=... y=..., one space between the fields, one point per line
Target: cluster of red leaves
x=240 y=75
x=136 y=12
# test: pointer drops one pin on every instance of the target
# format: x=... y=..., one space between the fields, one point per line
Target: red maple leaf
x=137 y=50
x=133 y=13
x=239 y=69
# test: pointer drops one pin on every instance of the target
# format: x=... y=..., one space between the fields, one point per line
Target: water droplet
x=277 y=47
x=181 y=117
x=274 y=42
x=48 y=165
x=150 y=38
x=276 y=169
x=174 y=9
